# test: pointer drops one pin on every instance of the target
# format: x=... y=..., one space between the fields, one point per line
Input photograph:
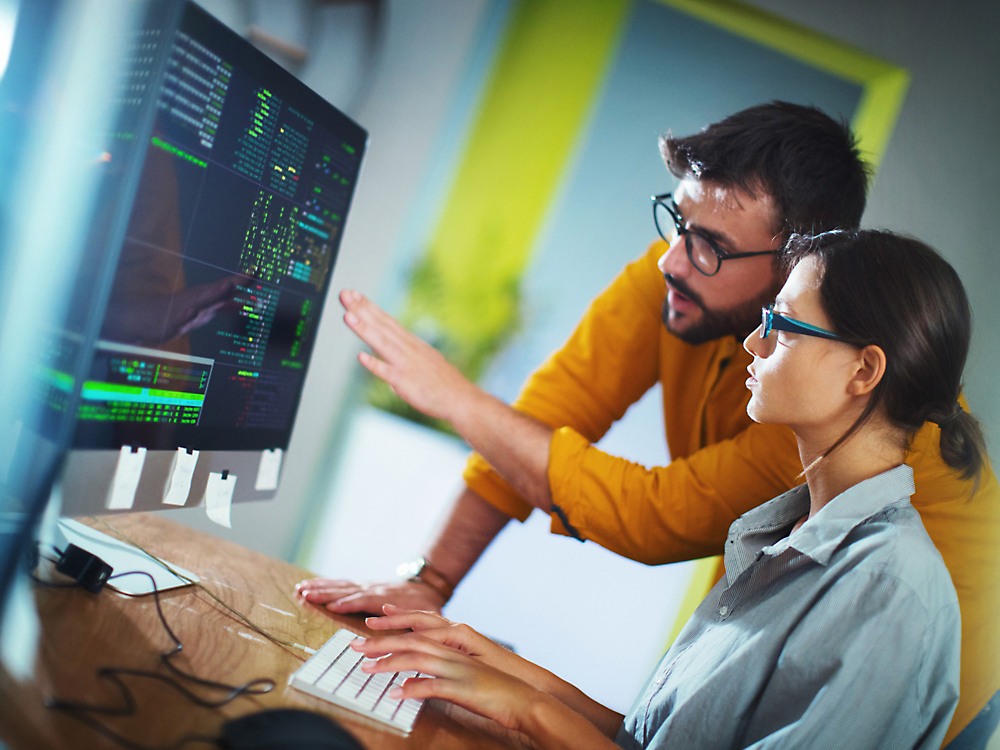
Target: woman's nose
x=755 y=345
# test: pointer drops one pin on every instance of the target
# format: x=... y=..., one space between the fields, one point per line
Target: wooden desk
x=82 y=632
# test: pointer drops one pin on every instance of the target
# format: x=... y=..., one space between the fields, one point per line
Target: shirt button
x=723 y=609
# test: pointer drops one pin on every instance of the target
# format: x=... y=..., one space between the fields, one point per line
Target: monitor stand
x=123 y=557
x=56 y=533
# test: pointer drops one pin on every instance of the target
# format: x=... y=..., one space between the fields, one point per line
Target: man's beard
x=714 y=324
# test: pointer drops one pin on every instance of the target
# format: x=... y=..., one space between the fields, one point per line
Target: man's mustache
x=684 y=289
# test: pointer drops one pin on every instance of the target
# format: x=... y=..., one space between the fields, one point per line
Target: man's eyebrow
x=720 y=239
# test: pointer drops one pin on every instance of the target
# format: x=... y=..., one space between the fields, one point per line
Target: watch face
x=411 y=568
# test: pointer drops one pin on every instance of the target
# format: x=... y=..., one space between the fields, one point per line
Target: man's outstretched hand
x=346 y=597
x=414 y=369
x=516 y=444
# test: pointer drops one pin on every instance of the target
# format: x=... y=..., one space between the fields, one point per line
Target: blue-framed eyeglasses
x=775 y=321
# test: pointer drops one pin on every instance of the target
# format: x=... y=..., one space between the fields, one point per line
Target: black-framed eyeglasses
x=775 y=321
x=703 y=252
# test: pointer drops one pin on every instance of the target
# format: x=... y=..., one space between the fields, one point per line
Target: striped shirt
x=843 y=634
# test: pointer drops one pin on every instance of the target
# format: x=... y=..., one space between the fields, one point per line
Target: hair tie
x=954 y=413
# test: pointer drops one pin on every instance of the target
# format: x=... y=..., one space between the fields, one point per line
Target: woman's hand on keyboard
x=347 y=597
x=463 y=638
x=471 y=671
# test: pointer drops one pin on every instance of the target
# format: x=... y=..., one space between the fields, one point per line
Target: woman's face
x=801 y=380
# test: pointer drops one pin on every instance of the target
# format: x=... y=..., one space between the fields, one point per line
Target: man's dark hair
x=807 y=162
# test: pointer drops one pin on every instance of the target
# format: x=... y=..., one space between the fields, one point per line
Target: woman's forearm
x=602 y=717
x=553 y=725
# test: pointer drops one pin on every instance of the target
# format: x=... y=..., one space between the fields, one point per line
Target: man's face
x=699 y=308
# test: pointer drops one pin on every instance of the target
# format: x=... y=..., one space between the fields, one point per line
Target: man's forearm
x=515 y=444
x=468 y=530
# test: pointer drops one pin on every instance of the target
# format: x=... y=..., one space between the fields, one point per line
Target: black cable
x=82 y=711
x=287 y=645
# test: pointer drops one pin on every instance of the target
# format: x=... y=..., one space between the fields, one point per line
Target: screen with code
x=245 y=183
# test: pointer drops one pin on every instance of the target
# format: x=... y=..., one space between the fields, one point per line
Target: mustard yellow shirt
x=722 y=463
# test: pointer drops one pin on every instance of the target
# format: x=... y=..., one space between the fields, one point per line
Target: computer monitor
x=55 y=61
x=171 y=208
x=235 y=180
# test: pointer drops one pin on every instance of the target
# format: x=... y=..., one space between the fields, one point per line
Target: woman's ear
x=870 y=369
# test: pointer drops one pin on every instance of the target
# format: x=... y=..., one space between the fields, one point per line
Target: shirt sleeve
x=676 y=512
x=608 y=363
x=887 y=676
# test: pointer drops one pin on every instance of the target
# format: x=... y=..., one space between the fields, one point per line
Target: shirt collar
x=763 y=529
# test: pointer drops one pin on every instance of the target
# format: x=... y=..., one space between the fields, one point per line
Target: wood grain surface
x=83 y=632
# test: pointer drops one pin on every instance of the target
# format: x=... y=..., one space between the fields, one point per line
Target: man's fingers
x=324 y=583
x=319 y=592
x=360 y=601
x=375 y=326
x=375 y=366
x=373 y=334
x=347 y=597
x=370 y=317
x=339 y=596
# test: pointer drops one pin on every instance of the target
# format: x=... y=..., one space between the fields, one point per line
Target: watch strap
x=421 y=571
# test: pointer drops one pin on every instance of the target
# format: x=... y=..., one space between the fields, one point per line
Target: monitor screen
x=55 y=115
x=239 y=179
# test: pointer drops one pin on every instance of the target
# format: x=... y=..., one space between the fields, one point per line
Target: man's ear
x=870 y=370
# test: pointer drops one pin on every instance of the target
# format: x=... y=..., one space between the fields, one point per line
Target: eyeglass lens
x=701 y=253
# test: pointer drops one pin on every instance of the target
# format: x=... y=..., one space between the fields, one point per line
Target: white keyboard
x=334 y=674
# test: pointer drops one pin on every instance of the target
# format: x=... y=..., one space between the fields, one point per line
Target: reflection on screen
x=230 y=244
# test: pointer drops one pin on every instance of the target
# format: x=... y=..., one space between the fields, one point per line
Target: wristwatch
x=421 y=571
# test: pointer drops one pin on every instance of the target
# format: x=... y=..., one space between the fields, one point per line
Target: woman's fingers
x=452 y=676
x=397 y=618
x=380 y=645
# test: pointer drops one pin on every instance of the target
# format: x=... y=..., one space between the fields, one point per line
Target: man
x=747 y=183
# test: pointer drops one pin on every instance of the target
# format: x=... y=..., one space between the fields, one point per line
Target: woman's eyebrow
x=786 y=309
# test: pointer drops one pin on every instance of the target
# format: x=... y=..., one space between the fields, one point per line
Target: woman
x=836 y=624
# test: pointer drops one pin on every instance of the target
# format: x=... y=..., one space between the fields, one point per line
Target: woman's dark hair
x=806 y=161
x=897 y=293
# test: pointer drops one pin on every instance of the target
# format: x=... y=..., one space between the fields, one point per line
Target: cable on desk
x=290 y=647
x=82 y=711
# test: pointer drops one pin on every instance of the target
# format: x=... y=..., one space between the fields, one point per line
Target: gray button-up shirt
x=843 y=634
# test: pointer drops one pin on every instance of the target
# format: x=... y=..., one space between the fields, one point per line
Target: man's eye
x=703 y=245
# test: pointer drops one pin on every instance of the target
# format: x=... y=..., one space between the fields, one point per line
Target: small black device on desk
x=286 y=729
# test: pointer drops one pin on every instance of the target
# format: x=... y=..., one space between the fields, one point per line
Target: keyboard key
x=374 y=691
x=334 y=674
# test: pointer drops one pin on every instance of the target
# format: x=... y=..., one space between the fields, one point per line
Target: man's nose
x=675 y=261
